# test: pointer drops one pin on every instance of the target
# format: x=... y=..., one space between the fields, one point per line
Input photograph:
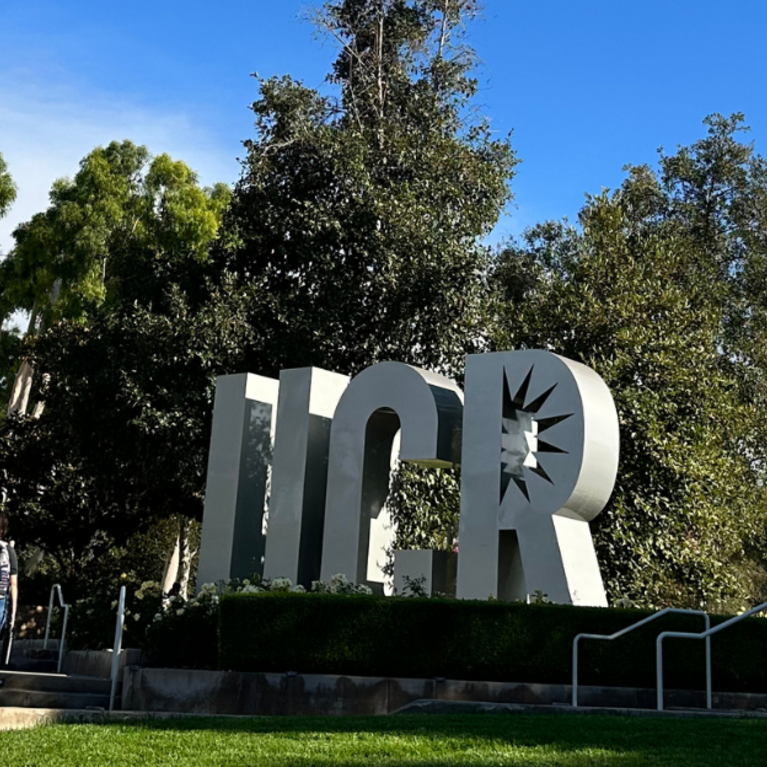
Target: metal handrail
x=644 y=621
x=117 y=648
x=56 y=588
x=703 y=635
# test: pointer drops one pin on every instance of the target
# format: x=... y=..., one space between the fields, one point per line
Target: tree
x=647 y=293
x=114 y=273
x=9 y=337
x=361 y=218
x=123 y=439
x=7 y=188
x=86 y=248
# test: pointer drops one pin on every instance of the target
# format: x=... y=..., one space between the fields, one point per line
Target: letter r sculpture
x=540 y=456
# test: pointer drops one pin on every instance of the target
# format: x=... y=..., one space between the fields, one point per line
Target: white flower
x=298 y=589
x=281 y=584
x=339 y=584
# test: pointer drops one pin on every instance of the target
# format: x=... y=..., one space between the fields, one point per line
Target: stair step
x=33 y=666
x=49 y=699
x=38 y=654
x=59 y=683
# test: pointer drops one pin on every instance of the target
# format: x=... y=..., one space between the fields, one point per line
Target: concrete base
x=97 y=662
x=464 y=707
x=227 y=692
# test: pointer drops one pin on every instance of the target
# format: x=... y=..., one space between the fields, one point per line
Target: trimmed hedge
x=189 y=640
x=489 y=641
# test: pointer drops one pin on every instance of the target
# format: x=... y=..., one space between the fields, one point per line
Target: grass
x=476 y=740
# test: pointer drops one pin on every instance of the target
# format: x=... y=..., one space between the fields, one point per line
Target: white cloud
x=45 y=132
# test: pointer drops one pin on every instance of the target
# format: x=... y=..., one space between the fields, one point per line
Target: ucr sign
x=299 y=470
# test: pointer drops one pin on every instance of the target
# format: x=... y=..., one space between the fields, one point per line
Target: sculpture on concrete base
x=540 y=455
x=538 y=444
x=234 y=523
x=382 y=400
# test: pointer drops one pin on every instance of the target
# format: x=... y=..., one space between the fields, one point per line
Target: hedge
x=189 y=640
x=489 y=641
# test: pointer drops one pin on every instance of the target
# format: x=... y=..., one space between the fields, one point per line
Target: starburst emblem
x=521 y=444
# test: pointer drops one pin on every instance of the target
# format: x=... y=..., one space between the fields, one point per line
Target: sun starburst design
x=521 y=445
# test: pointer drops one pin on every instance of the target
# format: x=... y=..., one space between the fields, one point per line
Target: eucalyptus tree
x=7 y=188
x=112 y=275
x=79 y=252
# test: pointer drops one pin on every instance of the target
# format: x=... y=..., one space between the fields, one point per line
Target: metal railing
x=703 y=635
x=643 y=622
x=117 y=648
x=56 y=589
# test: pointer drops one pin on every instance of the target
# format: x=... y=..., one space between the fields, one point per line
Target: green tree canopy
x=89 y=245
x=123 y=348
x=652 y=292
x=360 y=218
x=7 y=188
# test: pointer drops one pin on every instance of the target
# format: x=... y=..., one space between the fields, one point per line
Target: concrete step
x=30 y=655
x=33 y=666
x=36 y=654
x=21 y=680
x=52 y=699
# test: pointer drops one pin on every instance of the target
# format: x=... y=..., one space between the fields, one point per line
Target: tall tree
x=9 y=337
x=361 y=217
x=114 y=273
x=652 y=292
x=83 y=249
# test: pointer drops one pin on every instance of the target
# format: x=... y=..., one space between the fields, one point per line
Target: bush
x=92 y=620
x=184 y=633
x=490 y=641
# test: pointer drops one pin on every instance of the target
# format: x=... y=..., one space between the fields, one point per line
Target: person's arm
x=14 y=597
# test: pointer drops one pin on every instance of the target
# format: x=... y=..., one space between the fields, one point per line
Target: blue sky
x=585 y=85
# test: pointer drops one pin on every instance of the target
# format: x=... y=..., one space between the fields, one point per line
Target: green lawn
x=480 y=739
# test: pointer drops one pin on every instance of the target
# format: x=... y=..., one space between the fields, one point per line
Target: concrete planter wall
x=229 y=692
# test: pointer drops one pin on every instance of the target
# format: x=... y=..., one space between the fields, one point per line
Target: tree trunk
x=179 y=565
x=185 y=556
x=22 y=388
x=22 y=384
x=171 y=566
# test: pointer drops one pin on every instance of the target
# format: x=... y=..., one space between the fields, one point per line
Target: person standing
x=9 y=578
